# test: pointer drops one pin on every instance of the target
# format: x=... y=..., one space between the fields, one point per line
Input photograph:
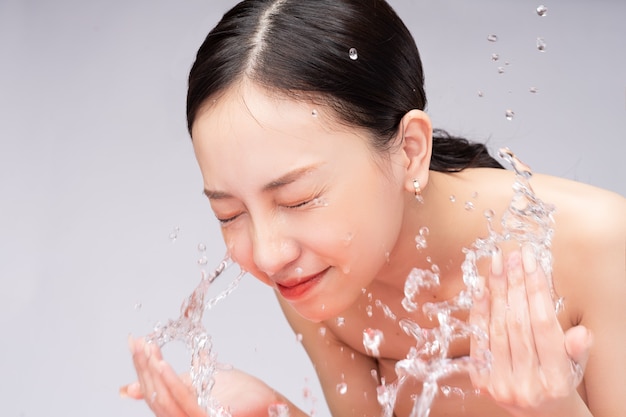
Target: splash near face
x=527 y=220
x=188 y=328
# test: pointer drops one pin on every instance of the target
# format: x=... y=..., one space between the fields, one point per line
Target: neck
x=450 y=225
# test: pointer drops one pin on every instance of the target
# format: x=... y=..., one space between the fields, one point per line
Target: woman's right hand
x=170 y=395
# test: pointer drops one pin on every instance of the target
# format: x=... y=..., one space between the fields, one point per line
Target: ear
x=416 y=133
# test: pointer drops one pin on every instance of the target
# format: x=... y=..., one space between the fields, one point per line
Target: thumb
x=578 y=341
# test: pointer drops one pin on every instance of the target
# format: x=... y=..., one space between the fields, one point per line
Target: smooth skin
x=300 y=195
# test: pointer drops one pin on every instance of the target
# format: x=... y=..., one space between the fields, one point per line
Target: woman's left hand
x=533 y=362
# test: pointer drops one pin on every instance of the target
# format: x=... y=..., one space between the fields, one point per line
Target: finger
x=498 y=334
x=549 y=339
x=182 y=392
x=132 y=390
x=578 y=342
x=522 y=344
x=141 y=352
x=479 y=342
x=162 y=402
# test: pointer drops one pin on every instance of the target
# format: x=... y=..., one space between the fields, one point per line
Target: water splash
x=541 y=45
x=528 y=220
x=188 y=328
x=542 y=10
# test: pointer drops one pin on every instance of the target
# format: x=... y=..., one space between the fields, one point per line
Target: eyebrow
x=288 y=178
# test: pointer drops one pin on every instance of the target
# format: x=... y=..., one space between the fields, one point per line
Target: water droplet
x=323 y=307
x=469 y=206
x=420 y=239
x=319 y=202
x=542 y=10
x=374 y=374
x=480 y=93
x=298 y=271
x=348 y=239
x=354 y=55
x=475 y=194
x=509 y=114
x=387 y=257
x=138 y=306
x=489 y=214
x=202 y=260
x=342 y=388
x=435 y=268
x=492 y=38
x=341 y=321
x=500 y=70
x=372 y=338
x=298 y=337
x=201 y=247
x=278 y=410
x=533 y=90
x=453 y=198
x=322 y=331
x=369 y=311
x=174 y=234
x=495 y=57
x=314 y=113
x=541 y=44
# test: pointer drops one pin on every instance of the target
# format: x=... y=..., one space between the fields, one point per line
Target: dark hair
x=356 y=56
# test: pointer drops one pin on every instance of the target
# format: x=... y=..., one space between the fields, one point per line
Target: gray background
x=96 y=171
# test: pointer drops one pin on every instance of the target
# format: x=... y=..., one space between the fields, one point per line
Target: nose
x=273 y=249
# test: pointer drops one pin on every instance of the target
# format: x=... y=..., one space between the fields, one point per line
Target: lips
x=293 y=290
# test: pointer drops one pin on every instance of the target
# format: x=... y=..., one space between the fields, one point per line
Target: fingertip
x=497 y=262
x=132 y=390
x=529 y=260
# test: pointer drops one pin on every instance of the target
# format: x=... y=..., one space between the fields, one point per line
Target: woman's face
x=304 y=203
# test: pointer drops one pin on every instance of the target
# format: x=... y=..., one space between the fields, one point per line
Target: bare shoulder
x=586 y=215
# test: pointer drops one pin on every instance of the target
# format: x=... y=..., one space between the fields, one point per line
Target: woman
x=318 y=160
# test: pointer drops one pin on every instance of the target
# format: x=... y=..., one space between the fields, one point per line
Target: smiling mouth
x=300 y=288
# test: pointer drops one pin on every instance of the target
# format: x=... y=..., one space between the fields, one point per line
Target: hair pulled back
x=303 y=47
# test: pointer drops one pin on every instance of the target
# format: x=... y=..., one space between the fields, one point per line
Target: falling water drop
x=489 y=214
x=541 y=44
x=509 y=114
x=372 y=338
x=354 y=55
x=492 y=38
x=420 y=239
x=174 y=234
x=542 y=10
x=278 y=410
